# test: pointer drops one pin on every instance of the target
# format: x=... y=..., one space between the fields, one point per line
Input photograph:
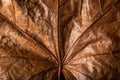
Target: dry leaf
x=59 y=39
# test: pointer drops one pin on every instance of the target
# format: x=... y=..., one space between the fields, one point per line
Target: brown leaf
x=59 y=39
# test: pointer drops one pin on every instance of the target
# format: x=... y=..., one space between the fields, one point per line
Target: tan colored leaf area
x=59 y=39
